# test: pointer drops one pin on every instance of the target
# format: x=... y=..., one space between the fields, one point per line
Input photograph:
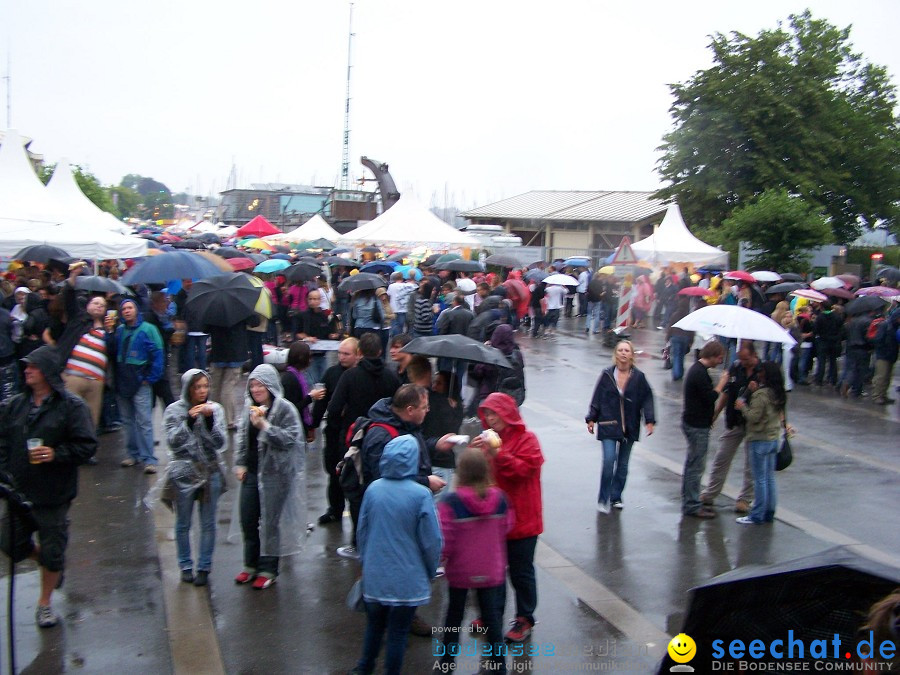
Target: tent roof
x=22 y=195
x=65 y=190
x=314 y=228
x=259 y=227
x=408 y=221
x=673 y=242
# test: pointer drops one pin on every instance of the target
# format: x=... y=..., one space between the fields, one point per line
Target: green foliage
x=781 y=227
x=156 y=198
x=128 y=201
x=796 y=110
x=145 y=186
x=89 y=185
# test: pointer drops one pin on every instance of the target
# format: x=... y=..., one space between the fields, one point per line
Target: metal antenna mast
x=345 y=156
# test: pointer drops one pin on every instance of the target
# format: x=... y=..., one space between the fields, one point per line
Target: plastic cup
x=31 y=444
x=319 y=385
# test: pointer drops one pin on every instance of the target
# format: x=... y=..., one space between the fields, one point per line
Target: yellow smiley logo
x=682 y=648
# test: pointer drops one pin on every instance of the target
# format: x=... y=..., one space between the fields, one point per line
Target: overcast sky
x=475 y=99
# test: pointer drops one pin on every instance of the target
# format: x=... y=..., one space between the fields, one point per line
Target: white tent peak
x=64 y=189
x=408 y=221
x=314 y=228
x=673 y=242
x=21 y=192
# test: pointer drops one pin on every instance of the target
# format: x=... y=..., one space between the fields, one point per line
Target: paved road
x=612 y=588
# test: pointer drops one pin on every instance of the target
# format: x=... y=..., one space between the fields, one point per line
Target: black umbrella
x=256 y=257
x=302 y=271
x=223 y=300
x=188 y=243
x=503 y=260
x=229 y=252
x=888 y=273
x=339 y=250
x=457 y=347
x=40 y=253
x=460 y=266
x=152 y=243
x=338 y=261
x=815 y=597
x=868 y=303
x=791 y=276
x=371 y=249
x=361 y=282
x=207 y=238
x=398 y=256
x=430 y=260
x=785 y=287
x=97 y=284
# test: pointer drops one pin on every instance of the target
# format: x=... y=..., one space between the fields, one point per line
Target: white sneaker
x=745 y=520
x=348 y=552
x=602 y=507
x=617 y=504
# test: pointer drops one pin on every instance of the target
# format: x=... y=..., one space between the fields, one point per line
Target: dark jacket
x=34 y=325
x=700 y=397
x=78 y=322
x=63 y=422
x=442 y=418
x=7 y=346
x=737 y=386
x=829 y=327
x=229 y=344
x=455 y=320
x=377 y=437
x=358 y=390
x=187 y=314
x=619 y=417
x=856 y=332
x=885 y=343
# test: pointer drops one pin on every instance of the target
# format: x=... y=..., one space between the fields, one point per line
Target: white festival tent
x=408 y=222
x=30 y=214
x=673 y=243
x=65 y=190
x=314 y=228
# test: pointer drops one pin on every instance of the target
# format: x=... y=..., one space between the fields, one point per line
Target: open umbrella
x=792 y=276
x=270 y=266
x=40 y=253
x=241 y=264
x=258 y=244
x=229 y=252
x=163 y=268
x=535 y=275
x=827 y=282
x=841 y=293
x=503 y=260
x=398 y=256
x=888 y=274
x=215 y=260
x=256 y=257
x=851 y=281
x=338 y=251
x=430 y=260
x=302 y=271
x=189 y=244
x=207 y=238
x=880 y=291
x=361 y=282
x=809 y=294
x=447 y=257
x=338 y=261
x=735 y=322
x=223 y=300
x=97 y=284
x=577 y=261
x=370 y=249
x=457 y=347
x=279 y=256
x=405 y=269
x=785 y=287
x=607 y=269
x=377 y=267
x=815 y=597
x=696 y=291
x=263 y=305
x=560 y=280
x=765 y=275
x=740 y=275
x=867 y=303
x=460 y=266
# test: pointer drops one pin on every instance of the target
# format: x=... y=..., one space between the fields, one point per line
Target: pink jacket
x=298 y=294
x=474 y=531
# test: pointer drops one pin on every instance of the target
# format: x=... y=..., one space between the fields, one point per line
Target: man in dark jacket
x=45 y=434
x=886 y=350
x=859 y=350
x=8 y=369
x=158 y=315
x=828 y=333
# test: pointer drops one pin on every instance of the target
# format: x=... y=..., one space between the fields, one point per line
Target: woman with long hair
x=622 y=396
x=297 y=389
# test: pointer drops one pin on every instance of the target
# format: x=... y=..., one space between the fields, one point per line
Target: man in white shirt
x=398 y=293
x=556 y=299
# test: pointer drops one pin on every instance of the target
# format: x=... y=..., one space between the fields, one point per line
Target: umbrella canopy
x=370 y=249
x=258 y=244
x=841 y=293
x=536 y=275
x=457 y=347
x=279 y=256
x=503 y=260
x=228 y=252
x=740 y=275
x=696 y=291
x=765 y=275
x=377 y=267
x=241 y=264
x=215 y=260
x=398 y=256
x=447 y=257
x=338 y=251
x=880 y=291
x=888 y=274
x=785 y=287
x=189 y=244
x=519 y=295
x=560 y=280
x=827 y=282
x=736 y=322
x=851 y=281
x=460 y=266
x=809 y=294
x=258 y=227
x=430 y=260
x=361 y=282
x=791 y=276
x=577 y=261
x=163 y=268
x=816 y=597
x=302 y=271
x=223 y=300
x=255 y=257
x=270 y=266
x=97 y=284
x=40 y=253
x=405 y=269
x=207 y=238
x=264 y=303
x=607 y=269
x=338 y=261
x=867 y=303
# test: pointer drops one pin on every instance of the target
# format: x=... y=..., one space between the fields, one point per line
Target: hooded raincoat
x=398 y=536
x=281 y=469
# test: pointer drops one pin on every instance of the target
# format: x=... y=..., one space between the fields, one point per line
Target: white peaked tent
x=65 y=190
x=408 y=222
x=672 y=242
x=314 y=228
x=22 y=195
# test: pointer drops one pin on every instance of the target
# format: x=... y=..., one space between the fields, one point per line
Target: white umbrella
x=766 y=276
x=810 y=294
x=734 y=322
x=560 y=280
x=827 y=282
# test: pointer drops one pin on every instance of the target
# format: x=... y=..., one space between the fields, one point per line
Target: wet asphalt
x=612 y=588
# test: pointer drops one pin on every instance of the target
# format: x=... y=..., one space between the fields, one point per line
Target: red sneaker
x=478 y=625
x=244 y=578
x=520 y=630
x=263 y=582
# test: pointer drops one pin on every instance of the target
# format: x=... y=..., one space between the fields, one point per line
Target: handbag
x=785 y=455
x=355 y=600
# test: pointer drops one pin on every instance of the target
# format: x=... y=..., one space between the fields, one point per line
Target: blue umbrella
x=161 y=269
x=378 y=267
x=279 y=256
x=405 y=270
x=273 y=265
x=577 y=261
x=338 y=251
x=536 y=275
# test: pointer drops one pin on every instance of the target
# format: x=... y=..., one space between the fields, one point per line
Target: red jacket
x=517 y=466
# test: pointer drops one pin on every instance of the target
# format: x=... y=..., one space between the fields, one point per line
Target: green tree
x=89 y=185
x=128 y=201
x=782 y=228
x=156 y=198
x=794 y=109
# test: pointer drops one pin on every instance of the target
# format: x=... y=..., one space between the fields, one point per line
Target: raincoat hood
x=268 y=377
x=480 y=506
x=504 y=405
x=48 y=361
x=490 y=302
x=139 y=317
x=188 y=379
x=400 y=458
x=502 y=338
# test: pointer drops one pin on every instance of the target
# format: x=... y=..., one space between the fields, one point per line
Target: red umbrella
x=696 y=291
x=740 y=275
x=258 y=227
x=519 y=294
x=241 y=264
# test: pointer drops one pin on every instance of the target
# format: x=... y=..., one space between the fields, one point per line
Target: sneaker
x=348 y=552
x=746 y=520
x=128 y=461
x=202 y=578
x=439 y=572
x=150 y=469
x=328 y=517
x=45 y=617
x=617 y=504
x=420 y=627
x=477 y=625
x=602 y=507
x=262 y=582
x=741 y=506
x=706 y=500
x=245 y=577
x=187 y=576
x=520 y=630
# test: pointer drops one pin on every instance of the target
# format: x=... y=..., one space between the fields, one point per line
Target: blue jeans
x=520 y=558
x=137 y=412
x=679 y=346
x=396 y=620
x=398 y=325
x=318 y=364
x=207 y=498
x=694 y=466
x=806 y=354
x=857 y=369
x=193 y=353
x=765 y=495
x=615 y=469
x=595 y=316
x=255 y=342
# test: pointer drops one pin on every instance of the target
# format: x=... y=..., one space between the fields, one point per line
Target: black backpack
x=350 y=470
